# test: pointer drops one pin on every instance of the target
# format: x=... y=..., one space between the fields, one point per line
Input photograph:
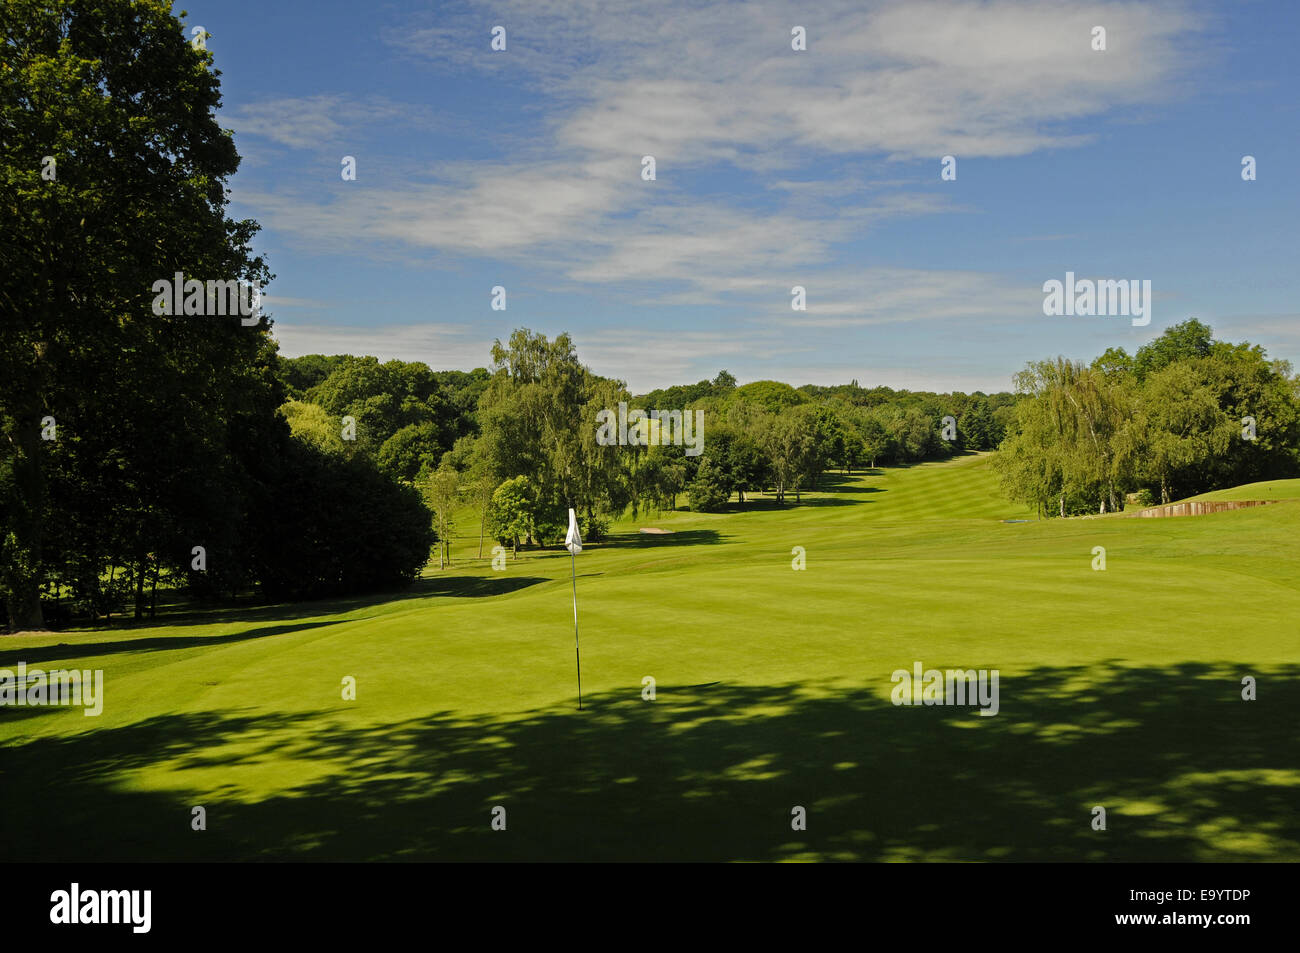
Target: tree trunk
x=108 y=598
x=22 y=577
x=139 y=590
x=153 y=592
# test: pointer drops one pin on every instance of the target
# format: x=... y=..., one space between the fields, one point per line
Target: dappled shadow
x=1185 y=768
x=34 y=655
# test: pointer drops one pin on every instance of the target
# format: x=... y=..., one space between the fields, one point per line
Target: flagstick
x=573 y=560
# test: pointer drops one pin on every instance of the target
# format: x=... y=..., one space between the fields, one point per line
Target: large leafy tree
x=1066 y=445
x=1181 y=430
x=112 y=176
x=531 y=415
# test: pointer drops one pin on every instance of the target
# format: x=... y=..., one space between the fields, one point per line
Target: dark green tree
x=113 y=173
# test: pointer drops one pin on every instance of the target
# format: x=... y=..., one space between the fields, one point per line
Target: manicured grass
x=1267 y=490
x=1118 y=688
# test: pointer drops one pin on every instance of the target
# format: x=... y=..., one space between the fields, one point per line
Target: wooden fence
x=1201 y=507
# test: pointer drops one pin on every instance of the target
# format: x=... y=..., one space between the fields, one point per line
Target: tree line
x=1183 y=415
x=516 y=444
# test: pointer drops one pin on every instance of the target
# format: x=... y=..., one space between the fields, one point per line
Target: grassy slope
x=1118 y=688
x=1267 y=490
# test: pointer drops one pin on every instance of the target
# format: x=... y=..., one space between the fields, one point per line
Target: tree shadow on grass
x=259 y=610
x=37 y=655
x=837 y=491
x=475 y=587
x=681 y=537
x=819 y=501
x=1186 y=770
x=458 y=586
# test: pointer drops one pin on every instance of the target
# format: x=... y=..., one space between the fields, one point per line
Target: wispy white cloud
x=715 y=87
x=919 y=78
x=326 y=119
x=880 y=296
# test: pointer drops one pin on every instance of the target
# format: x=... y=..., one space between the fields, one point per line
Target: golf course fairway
x=1120 y=688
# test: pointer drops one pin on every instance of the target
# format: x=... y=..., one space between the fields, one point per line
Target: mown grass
x=1119 y=688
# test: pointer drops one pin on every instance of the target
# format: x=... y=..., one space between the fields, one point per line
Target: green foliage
x=162 y=418
x=709 y=489
x=688 y=395
x=723 y=382
x=412 y=451
x=538 y=418
x=1071 y=445
x=1115 y=360
x=1182 y=342
x=772 y=396
x=442 y=492
x=1170 y=423
x=301 y=374
x=312 y=424
x=167 y=432
x=389 y=398
x=338 y=526
x=512 y=517
x=593 y=527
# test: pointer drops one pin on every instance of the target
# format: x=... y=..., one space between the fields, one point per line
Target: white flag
x=573 y=540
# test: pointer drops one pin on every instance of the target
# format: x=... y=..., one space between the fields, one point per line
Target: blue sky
x=775 y=168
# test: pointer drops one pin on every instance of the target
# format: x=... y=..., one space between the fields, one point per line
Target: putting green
x=1118 y=688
